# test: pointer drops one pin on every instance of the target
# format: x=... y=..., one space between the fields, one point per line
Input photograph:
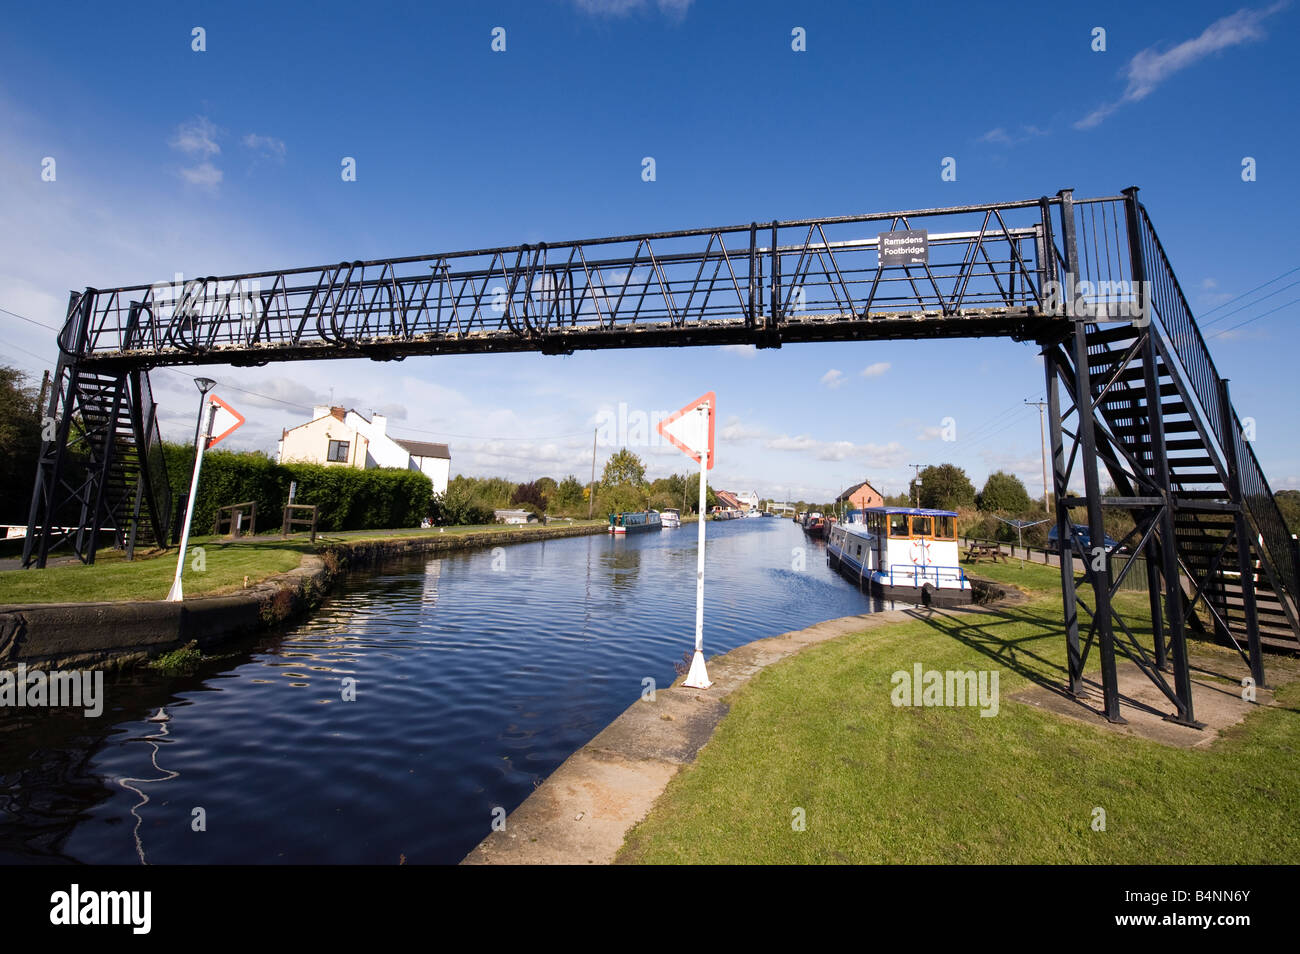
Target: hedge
x=347 y=498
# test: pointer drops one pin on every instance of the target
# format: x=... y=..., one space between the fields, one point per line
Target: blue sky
x=228 y=161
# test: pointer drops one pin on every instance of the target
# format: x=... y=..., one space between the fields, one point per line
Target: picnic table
x=975 y=551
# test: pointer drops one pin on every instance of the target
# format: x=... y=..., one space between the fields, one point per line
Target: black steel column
x=1098 y=576
x=1061 y=490
x=1152 y=555
x=1166 y=536
x=1245 y=538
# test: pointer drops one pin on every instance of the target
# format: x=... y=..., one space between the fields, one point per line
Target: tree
x=1003 y=493
x=945 y=487
x=623 y=467
x=693 y=494
x=621 y=498
x=1288 y=501
x=569 y=495
x=529 y=494
x=20 y=444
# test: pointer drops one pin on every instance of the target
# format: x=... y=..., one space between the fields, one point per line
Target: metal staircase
x=1219 y=557
x=105 y=469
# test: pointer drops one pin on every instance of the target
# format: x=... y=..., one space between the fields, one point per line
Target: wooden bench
x=976 y=551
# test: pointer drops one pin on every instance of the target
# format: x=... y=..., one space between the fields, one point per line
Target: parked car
x=1084 y=536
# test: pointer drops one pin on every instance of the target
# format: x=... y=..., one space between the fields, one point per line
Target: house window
x=338 y=451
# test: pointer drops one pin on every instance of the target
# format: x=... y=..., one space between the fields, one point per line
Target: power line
x=1229 y=314
x=1256 y=318
x=29 y=320
x=1250 y=292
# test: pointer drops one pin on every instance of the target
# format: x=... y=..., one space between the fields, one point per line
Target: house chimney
x=380 y=424
x=338 y=412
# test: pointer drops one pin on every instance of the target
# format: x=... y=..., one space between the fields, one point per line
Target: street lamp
x=176 y=594
x=204 y=385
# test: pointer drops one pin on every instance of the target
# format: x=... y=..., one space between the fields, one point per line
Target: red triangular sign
x=688 y=432
x=225 y=421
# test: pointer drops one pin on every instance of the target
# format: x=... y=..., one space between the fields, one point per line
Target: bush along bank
x=55 y=635
x=347 y=498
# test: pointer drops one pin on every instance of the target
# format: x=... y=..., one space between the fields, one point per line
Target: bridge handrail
x=1169 y=305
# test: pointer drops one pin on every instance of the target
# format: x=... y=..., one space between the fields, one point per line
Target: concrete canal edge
x=581 y=814
x=70 y=635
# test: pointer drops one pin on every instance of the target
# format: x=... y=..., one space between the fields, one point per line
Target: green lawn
x=149 y=576
x=879 y=783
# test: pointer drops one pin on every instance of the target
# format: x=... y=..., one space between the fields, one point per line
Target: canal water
x=476 y=675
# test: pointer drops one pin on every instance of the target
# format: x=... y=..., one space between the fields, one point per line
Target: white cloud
x=833 y=378
x=1149 y=68
x=267 y=147
x=877 y=455
x=197 y=138
x=205 y=175
x=1000 y=137
x=876 y=370
x=745 y=351
x=619 y=8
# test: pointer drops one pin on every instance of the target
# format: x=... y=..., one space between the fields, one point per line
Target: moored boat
x=638 y=521
x=670 y=518
x=815 y=525
x=901 y=553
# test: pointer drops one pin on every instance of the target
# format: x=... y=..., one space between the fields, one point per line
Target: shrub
x=346 y=498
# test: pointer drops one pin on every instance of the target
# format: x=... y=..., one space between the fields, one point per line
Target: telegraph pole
x=1042 y=433
x=916 y=485
x=591 y=491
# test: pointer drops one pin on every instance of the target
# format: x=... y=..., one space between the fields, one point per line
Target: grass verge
x=225 y=563
x=817 y=734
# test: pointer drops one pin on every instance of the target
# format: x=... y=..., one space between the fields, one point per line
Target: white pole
x=175 y=594
x=698 y=677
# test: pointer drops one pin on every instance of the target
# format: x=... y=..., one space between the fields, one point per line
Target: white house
x=343 y=438
x=748 y=500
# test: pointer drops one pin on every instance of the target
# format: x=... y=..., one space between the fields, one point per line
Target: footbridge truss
x=1134 y=397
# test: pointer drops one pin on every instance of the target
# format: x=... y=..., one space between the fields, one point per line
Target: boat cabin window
x=898 y=524
x=945 y=528
x=922 y=527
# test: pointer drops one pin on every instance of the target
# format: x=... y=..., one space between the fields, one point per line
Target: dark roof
x=855 y=488
x=424 y=449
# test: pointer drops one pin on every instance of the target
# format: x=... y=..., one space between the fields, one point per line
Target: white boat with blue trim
x=901 y=553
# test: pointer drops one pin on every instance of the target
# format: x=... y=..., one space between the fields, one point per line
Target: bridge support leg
x=1096 y=562
x=1061 y=490
x=1245 y=536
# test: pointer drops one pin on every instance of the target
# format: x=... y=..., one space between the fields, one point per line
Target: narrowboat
x=815 y=525
x=635 y=522
x=670 y=518
x=901 y=553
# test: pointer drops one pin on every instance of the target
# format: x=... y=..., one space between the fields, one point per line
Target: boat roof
x=919 y=511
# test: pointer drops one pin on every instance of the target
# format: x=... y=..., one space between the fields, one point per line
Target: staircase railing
x=153 y=463
x=1169 y=305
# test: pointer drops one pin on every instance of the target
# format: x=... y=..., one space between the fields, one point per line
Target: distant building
x=336 y=437
x=748 y=500
x=861 y=496
x=727 y=500
x=515 y=516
